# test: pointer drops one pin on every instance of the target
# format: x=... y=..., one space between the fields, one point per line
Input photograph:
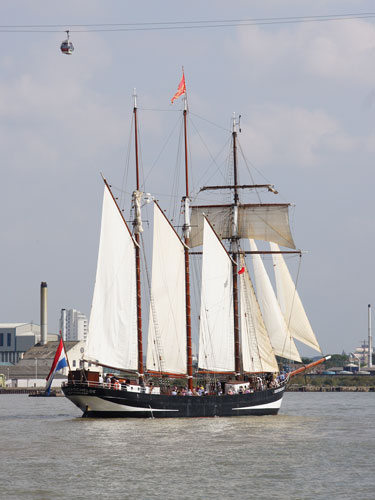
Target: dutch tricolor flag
x=59 y=363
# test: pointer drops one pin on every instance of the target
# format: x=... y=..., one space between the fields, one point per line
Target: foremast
x=234 y=251
x=233 y=222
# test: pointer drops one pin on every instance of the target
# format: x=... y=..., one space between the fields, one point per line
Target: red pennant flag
x=241 y=271
x=180 y=90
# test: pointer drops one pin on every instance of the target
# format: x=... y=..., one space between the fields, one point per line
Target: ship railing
x=93 y=383
x=110 y=385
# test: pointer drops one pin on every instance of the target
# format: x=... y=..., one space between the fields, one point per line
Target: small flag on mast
x=241 y=271
x=59 y=362
x=181 y=89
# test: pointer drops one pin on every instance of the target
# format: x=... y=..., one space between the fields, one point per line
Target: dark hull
x=99 y=402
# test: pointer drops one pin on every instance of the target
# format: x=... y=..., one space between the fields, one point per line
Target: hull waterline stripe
x=275 y=404
x=98 y=404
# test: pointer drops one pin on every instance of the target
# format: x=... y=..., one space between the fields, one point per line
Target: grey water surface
x=320 y=446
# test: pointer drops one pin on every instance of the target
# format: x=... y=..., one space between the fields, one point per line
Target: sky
x=306 y=95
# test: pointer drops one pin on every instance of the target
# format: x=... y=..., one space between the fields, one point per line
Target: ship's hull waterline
x=99 y=402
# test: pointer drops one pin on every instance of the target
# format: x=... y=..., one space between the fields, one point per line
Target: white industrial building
x=73 y=325
x=17 y=338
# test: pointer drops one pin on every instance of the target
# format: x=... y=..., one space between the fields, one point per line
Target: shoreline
x=338 y=388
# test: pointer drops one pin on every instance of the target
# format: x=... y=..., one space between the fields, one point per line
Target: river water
x=320 y=446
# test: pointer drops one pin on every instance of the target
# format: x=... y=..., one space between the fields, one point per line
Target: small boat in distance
x=242 y=334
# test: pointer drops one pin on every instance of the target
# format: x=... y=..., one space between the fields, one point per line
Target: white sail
x=216 y=336
x=281 y=340
x=112 y=337
x=257 y=351
x=166 y=348
x=261 y=222
x=290 y=303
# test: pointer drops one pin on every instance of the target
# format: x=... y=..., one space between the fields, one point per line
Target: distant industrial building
x=17 y=338
x=73 y=325
x=33 y=368
x=361 y=353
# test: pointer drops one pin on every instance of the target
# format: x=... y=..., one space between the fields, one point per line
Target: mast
x=234 y=251
x=186 y=230
x=137 y=255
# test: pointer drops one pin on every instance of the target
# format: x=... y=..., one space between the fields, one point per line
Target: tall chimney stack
x=43 y=313
x=369 y=337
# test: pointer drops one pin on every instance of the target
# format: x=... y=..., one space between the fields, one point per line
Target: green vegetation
x=336 y=360
x=334 y=380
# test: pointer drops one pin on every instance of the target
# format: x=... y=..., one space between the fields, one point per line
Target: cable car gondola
x=67 y=46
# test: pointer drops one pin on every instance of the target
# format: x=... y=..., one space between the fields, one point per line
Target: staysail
x=281 y=339
x=261 y=222
x=166 y=348
x=290 y=303
x=216 y=336
x=257 y=351
x=112 y=337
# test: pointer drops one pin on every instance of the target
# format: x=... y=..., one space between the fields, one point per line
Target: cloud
x=294 y=136
x=47 y=117
x=342 y=53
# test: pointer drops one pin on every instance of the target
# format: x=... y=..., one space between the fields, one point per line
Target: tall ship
x=244 y=337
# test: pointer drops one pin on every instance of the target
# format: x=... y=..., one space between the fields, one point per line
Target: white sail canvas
x=281 y=340
x=166 y=348
x=257 y=351
x=216 y=337
x=112 y=337
x=290 y=303
x=260 y=222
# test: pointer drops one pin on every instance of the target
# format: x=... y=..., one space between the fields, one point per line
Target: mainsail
x=257 y=351
x=261 y=222
x=216 y=344
x=290 y=303
x=112 y=338
x=281 y=339
x=166 y=349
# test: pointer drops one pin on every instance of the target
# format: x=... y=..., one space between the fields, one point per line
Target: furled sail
x=261 y=222
x=112 y=338
x=216 y=336
x=290 y=303
x=281 y=339
x=166 y=348
x=257 y=351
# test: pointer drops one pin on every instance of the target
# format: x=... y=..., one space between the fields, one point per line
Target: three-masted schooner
x=240 y=332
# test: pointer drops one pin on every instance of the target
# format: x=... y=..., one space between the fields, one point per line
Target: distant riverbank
x=332 y=383
x=327 y=388
x=29 y=391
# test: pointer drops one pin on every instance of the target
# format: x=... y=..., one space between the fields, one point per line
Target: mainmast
x=234 y=251
x=137 y=230
x=186 y=230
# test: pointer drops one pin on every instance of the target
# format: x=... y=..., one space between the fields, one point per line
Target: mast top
x=235 y=123
x=135 y=98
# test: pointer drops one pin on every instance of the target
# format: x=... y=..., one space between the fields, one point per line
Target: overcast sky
x=306 y=93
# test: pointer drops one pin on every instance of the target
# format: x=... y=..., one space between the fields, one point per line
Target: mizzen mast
x=137 y=230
